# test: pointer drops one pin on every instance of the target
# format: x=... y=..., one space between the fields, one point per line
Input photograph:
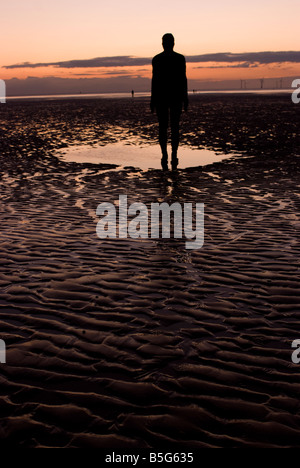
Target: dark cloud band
x=129 y=61
x=250 y=57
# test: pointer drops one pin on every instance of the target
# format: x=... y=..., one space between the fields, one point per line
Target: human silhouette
x=169 y=96
x=132 y=93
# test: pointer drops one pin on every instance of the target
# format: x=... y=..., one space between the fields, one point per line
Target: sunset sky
x=59 y=39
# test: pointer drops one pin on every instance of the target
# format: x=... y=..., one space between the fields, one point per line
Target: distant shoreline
x=145 y=94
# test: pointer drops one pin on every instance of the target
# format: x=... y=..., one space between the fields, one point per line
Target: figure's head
x=168 y=42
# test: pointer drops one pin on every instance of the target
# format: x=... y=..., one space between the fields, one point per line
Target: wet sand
x=140 y=343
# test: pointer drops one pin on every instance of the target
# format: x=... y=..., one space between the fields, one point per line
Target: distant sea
x=145 y=94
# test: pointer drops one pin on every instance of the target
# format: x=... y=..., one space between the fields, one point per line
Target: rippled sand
x=141 y=343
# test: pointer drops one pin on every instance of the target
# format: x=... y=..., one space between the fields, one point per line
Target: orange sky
x=42 y=31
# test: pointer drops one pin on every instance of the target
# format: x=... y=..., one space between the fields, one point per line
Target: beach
x=141 y=343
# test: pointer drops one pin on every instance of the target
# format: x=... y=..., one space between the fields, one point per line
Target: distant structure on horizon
x=267 y=84
x=279 y=83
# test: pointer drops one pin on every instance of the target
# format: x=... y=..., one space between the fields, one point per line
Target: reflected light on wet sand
x=138 y=156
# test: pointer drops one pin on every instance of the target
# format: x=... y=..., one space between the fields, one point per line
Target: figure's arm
x=185 y=89
x=153 y=88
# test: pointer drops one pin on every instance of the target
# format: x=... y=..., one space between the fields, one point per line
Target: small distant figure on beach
x=132 y=93
x=169 y=96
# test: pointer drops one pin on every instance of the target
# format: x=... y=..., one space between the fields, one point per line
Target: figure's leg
x=175 y=113
x=163 y=117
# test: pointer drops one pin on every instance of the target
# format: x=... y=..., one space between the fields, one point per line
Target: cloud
x=130 y=61
x=104 y=73
x=236 y=65
x=99 y=62
x=251 y=57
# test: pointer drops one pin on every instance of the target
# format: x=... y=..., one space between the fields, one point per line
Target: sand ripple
x=140 y=343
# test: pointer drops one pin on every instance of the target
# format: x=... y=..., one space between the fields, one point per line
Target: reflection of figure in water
x=169 y=95
x=171 y=187
x=132 y=93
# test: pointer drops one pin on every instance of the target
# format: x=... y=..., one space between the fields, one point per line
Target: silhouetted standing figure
x=168 y=96
x=132 y=93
